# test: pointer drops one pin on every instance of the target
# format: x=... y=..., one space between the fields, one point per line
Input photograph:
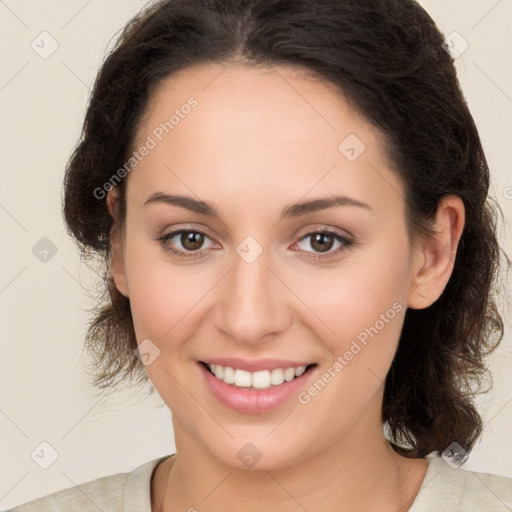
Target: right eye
x=190 y=240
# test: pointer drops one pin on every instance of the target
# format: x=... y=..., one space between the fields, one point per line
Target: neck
x=357 y=474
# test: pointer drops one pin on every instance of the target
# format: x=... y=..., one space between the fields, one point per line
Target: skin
x=261 y=139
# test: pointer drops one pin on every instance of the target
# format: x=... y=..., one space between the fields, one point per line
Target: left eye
x=322 y=241
x=192 y=241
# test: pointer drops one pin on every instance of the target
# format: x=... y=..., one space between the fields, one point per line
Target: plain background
x=45 y=393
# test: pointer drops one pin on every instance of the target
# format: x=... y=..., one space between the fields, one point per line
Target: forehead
x=242 y=97
x=258 y=128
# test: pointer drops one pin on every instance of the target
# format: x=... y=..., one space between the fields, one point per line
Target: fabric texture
x=444 y=489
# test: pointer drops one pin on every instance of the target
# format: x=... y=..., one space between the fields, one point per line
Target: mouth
x=263 y=379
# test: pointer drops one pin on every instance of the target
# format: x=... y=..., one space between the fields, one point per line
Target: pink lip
x=254 y=401
x=257 y=365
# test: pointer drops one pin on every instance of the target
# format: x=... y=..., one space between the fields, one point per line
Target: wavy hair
x=388 y=60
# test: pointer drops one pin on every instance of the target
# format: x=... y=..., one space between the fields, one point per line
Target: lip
x=254 y=401
x=256 y=365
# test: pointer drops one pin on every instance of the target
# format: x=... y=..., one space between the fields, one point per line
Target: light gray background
x=45 y=394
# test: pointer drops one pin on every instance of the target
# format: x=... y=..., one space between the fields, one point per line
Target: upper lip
x=256 y=364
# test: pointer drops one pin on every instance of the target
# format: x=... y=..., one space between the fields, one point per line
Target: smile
x=262 y=379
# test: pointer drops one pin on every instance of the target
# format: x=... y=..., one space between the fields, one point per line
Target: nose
x=254 y=303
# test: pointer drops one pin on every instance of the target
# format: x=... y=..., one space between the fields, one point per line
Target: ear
x=117 y=258
x=434 y=257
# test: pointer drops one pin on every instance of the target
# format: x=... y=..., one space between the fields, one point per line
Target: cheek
x=161 y=293
x=359 y=307
x=364 y=308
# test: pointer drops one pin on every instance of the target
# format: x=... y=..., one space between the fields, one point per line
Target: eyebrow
x=294 y=210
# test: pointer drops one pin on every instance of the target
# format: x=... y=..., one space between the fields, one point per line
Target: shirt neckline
x=137 y=495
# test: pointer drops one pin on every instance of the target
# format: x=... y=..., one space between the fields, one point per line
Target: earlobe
x=117 y=268
x=434 y=257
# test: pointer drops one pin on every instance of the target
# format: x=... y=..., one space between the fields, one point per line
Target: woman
x=291 y=201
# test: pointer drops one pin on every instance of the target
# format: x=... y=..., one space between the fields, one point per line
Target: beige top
x=444 y=489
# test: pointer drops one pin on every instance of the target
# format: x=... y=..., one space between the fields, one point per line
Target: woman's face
x=263 y=288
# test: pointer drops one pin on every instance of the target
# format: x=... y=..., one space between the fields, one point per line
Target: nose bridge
x=252 y=303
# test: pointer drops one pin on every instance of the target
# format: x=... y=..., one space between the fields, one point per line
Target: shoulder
x=108 y=494
x=104 y=493
x=452 y=489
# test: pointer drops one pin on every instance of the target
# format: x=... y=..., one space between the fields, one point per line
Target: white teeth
x=289 y=374
x=277 y=376
x=229 y=375
x=299 y=371
x=242 y=378
x=259 y=380
x=219 y=370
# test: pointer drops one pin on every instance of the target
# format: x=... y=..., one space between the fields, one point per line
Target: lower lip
x=253 y=401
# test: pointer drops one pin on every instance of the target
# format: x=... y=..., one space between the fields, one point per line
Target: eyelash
x=347 y=243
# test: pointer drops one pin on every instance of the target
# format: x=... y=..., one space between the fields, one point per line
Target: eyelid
x=346 y=239
x=178 y=252
x=315 y=228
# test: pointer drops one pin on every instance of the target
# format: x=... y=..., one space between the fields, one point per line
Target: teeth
x=259 y=380
x=299 y=371
x=229 y=375
x=242 y=378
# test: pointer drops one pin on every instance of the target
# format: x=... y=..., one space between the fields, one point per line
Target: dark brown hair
x=387 y=58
